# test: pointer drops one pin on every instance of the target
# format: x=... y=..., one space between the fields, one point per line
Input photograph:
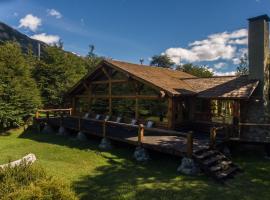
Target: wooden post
x=104 y=129
x=37 y=115
x=227 y=132
x=73 y=105
x=79 y=123
x=70 y=111
x=136 y=87
x=213 y=134
x=170 y=113
x=140 y=133
x=189 y=144
x=110 y=97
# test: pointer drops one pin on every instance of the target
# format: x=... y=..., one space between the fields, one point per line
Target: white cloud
x=54 y=13
x=220 y=65
x=214 y=47
x=30 y=21
x=231 y=73
x=49 y=39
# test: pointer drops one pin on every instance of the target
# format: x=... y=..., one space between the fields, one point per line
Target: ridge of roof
x=148 y=66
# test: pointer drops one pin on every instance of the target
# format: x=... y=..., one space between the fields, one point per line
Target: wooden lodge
x=171 y=99
x=169 y=111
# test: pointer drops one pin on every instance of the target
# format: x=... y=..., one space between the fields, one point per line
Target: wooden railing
x=55 y=112
x=140 y=128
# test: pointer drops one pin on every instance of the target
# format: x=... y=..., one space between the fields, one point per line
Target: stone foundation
x=141 y=154
x=256 y=112
x=81 y=136
x=47 y=129
x=105 y=144
x=188 y=167
x=62 y=131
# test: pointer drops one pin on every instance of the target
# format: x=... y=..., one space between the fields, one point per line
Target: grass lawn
x=115 y=175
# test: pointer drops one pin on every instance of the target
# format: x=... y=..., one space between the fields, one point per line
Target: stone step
x=213 y=160
x=226 y=173
x=200 y=151
x=205 y=155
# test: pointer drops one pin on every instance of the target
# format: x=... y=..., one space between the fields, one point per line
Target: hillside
x=8 y=33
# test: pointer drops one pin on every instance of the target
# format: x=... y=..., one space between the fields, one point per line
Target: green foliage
x=199 y=71
x=24 y=182
x=19 y=96
x=56 y=72
x=242 y=68
x=162 y=61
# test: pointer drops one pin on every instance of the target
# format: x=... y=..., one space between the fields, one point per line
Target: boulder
x=28 y=159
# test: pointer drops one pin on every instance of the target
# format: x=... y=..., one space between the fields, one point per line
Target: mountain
x=8 y=33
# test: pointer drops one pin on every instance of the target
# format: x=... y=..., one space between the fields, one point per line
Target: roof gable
x=177 y=83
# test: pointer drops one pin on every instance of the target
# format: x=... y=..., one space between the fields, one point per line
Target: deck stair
x=216 y=164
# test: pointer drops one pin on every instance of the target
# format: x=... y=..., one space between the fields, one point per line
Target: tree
x=199 y=71
x=19 y=95
x=162 y=61
x=56 y=72
x=242 y=68
x=92 y=59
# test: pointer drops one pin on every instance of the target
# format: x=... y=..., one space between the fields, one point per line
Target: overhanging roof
x=178 y=83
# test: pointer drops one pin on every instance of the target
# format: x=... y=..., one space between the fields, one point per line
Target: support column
x=105 y=143
x=171 y=113
x=140 y=153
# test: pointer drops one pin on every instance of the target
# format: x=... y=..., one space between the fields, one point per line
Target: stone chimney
x=258 y=53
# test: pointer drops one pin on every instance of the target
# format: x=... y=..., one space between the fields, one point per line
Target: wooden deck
x=166 y=141
x=198 y=146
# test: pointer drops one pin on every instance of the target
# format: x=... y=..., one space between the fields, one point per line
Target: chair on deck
x=107 y=117
x=133 y=122
x=86 y=115
x=98 y=116
x=118 y=119
x=149 y=124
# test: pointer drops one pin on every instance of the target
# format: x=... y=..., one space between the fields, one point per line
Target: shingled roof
x=177 y=83
x=165 y=78
x=234 y=87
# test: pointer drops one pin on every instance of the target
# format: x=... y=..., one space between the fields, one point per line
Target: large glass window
x=155 y=110
x=82 y=105
x=100 y=106
x=123 y=107
x=220 y=111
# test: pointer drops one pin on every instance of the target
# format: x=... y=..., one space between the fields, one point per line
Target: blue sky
x=207 y=32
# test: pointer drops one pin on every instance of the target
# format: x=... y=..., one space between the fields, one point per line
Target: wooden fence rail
x=52 y=111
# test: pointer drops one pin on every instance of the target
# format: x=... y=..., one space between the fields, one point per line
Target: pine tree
x=19 y=96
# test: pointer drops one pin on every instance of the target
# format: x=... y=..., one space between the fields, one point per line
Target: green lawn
x=115 y=175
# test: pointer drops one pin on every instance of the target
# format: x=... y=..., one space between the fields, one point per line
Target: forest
x=28 y=82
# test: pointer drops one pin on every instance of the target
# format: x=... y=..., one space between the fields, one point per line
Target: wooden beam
x=140 y=133
x=190 y=144
x=170 y=113
x=136 y=87
x=110 y=97
x=106 y=73
x=121 y=97
x=73 y=105
x=112 y=81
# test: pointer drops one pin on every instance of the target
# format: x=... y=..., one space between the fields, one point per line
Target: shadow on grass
x=123 y=178
x=158 y=179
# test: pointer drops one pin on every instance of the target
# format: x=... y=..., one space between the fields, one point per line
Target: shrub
x=25 y=182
